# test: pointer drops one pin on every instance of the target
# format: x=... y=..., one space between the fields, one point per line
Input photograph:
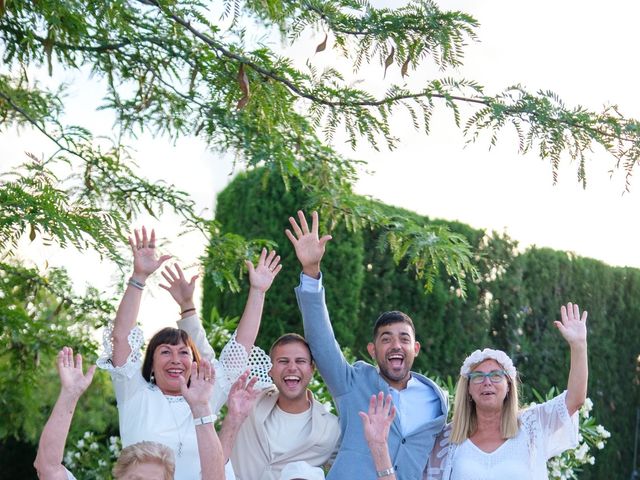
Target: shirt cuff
x=310 y=284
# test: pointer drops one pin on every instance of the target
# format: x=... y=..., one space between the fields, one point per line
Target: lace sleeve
x=551 y=427
x=134 y=360
x=233 y=362
x=438 y=465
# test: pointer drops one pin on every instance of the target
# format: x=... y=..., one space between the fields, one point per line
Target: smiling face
x=394 y=349
x=170 y=362
x=488 y=395
x=291 y=373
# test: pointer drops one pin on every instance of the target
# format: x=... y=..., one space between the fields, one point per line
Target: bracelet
x=204 y=420
x=135 y=283
x=188 y=310
x=385 y=473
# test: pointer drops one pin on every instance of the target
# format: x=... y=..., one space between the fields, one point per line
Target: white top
x=509 y=460
x=145 y=413
x=286 y=431
x=546 y=430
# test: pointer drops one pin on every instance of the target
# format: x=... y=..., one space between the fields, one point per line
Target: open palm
x=261 y=276
x=145 y=256
x=572 y=326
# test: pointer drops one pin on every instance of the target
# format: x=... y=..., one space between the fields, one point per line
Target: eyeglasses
x=496 y=376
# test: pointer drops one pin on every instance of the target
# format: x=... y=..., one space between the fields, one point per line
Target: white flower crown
x=480 y=356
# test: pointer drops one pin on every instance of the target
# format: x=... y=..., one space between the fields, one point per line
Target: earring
x=152 y=378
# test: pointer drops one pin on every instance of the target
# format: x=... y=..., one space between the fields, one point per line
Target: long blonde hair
x=465 y=420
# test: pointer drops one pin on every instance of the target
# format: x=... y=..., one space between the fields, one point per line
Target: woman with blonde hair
x=490 y=437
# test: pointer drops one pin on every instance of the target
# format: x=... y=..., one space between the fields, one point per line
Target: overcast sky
x=584 y=51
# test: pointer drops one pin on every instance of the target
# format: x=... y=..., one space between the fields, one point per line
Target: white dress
x=145 y=413
x=546 y=430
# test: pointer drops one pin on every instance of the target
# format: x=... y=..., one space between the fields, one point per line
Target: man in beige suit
x=286 y=423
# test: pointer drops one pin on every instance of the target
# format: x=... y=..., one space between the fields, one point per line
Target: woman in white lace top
x=150 y=404
x=490 y=437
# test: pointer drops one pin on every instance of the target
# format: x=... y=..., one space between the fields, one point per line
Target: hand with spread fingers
x=378 y=420
x=242 y=397
x=308 y=245
x=572 y=326
x=376 y=424
x=72 y=379
x=261 y=276
x=200 y=388
x=145 y=256
x=180 y=289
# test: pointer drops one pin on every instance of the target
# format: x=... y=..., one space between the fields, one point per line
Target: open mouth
x=396 y=360
x=483 y=394
x=291 y=381
x=175 y=372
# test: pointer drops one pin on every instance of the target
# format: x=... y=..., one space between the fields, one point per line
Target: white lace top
x=145 y=413
x=546 y=430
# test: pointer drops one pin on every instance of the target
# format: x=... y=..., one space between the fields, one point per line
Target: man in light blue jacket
x=420 y=405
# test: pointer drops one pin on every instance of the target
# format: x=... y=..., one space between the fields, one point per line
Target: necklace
x=175 y=399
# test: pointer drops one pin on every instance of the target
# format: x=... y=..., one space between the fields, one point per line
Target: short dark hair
x=288 y=338
x=167 y=336
x=393 y=316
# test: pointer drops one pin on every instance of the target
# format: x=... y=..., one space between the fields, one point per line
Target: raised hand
x=145 y=257
x=261 y=276
x=200 y=388
x=309 y=247
x=242 y=396
x=180 y=289
x=378 y=421
x=573 y=327
x=73 y=380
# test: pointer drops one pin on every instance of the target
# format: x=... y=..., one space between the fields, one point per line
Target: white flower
x=80 y=443
x=76 y=455
x=93 y=446
x=600 y=445
x=87 y=434
x=480 y=356
x=581 y=451
x=580 y=437
x=592 y=460
x=102 y=463
x=602 y=431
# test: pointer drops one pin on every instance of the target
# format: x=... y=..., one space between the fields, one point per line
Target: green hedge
x=511 y=306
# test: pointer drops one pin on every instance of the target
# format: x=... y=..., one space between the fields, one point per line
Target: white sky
x=582 y=50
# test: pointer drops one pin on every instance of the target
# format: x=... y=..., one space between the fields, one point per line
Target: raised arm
x=197 y=396
x=73 y=384
x=573 y=328
x=260 y=279
x=182 y=290
x=242 y=397
x=376 y=425
x=317 y=325
x=145 y=262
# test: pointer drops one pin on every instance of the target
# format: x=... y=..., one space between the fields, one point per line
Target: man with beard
x=420 y=405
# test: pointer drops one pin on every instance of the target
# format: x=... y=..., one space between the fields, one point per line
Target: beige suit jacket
x=251 y=456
